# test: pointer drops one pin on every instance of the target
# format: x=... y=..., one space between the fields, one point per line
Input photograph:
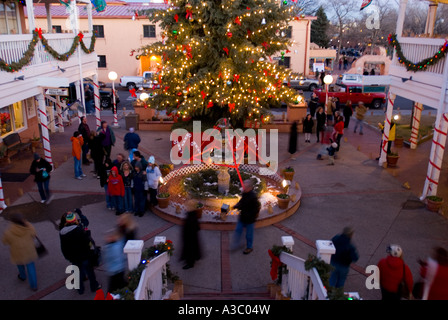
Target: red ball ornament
x=229 y=34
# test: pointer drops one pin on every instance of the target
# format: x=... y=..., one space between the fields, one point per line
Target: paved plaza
x=355 y=192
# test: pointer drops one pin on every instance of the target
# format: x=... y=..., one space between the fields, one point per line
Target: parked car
x=354 y=93
x=302 y=83
x=133 y=82
x=106 y=98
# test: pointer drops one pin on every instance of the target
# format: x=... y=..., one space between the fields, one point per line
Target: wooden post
x=387 y=123
x=44 y=124
x=417 y=114
x=96 y=93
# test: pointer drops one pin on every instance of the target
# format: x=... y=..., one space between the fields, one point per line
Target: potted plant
x=433 y=203
x=283 y=200
x=199 y=209
x=392 y=159
x=398 y=143
x=163 y=199
x=165 y=169
x=288 y=173
x=35 y=142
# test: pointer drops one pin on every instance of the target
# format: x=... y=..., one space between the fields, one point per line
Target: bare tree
x=340 y=15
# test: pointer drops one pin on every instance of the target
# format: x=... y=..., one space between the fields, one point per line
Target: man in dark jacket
x=76 y=248
x=41 y=169
x=131 y=140
x=249 y=207
x=345 y=254
x=84 y=130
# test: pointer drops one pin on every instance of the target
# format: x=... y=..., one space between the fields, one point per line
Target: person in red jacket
x=115 y=188
x=339 y=130
x=392 y=271
x=435 y=273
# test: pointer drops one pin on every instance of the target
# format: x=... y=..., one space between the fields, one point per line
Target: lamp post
x=112 y=77
x=328 y=79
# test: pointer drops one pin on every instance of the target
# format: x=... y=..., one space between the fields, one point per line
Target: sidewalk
x=356 y=192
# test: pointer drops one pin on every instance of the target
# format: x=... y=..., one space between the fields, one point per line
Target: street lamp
x=328 y=79
x=112 y=77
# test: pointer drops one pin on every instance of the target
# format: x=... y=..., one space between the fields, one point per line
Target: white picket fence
x=152 y=285
x=299 y=283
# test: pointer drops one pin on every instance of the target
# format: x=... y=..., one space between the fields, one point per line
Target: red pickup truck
x=354 y=93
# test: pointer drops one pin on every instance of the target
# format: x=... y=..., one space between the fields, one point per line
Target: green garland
x=29 y=53
x=127 y=293
x=419 y=66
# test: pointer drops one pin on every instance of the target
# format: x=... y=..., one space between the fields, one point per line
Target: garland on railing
x=29 y=53
x=419 y=66
x=127 y=293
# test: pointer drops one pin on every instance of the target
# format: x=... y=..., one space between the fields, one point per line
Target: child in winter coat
x=308 y=125
x=115 y=188
x=138 y=189
x=115 y=260
x=331 y=151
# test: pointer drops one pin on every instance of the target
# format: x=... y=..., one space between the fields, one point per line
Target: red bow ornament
x=176 y=17
x=204 y=95
x=276 y=263
x=80 y=35
x=226 y=50
x=210 y=104
x=238 y=21
x=39 y=32
x=189 y=14
x=133 y=94
x=231 y=107
x=236 y=77
x=100 y=295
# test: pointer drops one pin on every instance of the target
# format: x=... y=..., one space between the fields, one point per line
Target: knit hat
x=131 y=129
x=36 y=156
x=394 y=250
x=151 y=160
x=71 y=218
x=334 y=145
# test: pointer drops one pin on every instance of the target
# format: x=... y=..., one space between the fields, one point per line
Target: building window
x=9 y=24
x=288 y=33
x=11 y=118
x=102 y=61
x=286 y=62
x=99 y=31
x=57 y=29
x=149 y=31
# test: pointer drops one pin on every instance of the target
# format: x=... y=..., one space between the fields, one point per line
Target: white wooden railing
x=418 y=49
x=12 y=47
x=152 y=285
x=299 y=283
x=153 y=280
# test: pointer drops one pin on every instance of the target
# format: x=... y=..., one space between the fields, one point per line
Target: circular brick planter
x=211 y=214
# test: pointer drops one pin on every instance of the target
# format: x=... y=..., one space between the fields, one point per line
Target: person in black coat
x=249 y=207
x=345 y=254
x=41 y=169
x=191 y=251
x=321 y=119
x=348 y=112
x=103 y=172
x=313 y=104
x=84 y=130
x=96 y=151
x=308 y=125
x=292 y=147
x=76 y=248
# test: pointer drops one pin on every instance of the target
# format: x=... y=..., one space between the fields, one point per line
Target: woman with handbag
x=20 y=237
x=395 y=276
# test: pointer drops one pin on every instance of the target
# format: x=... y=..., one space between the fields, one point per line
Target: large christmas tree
x=217 y=58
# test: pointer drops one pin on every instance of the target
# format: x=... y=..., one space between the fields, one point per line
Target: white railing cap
x=133 y=246
x=287 y=241
x=325 y=246
x=159 y=239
